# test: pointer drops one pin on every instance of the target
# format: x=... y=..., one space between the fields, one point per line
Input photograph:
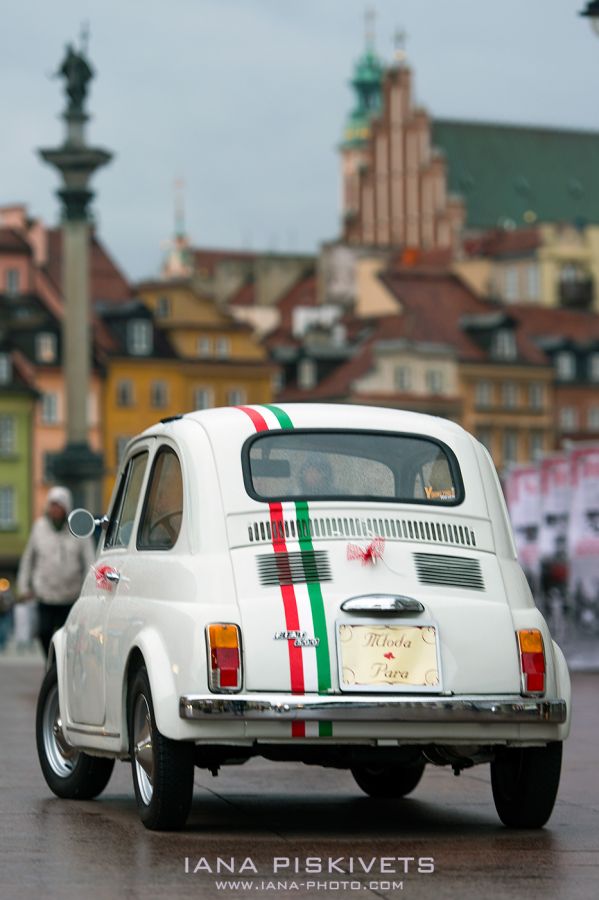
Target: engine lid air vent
x=356 y=527
x=302 y=567
x=449 y=571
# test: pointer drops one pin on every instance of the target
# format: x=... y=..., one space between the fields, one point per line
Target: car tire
x=525 y=782
x=162 y=768
x=69 y=773
x=388 y=781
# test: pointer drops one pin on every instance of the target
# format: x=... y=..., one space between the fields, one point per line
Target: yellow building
x=547 y=265
x=173 y=352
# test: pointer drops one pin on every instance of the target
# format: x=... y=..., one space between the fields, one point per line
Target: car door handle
x=112 y=575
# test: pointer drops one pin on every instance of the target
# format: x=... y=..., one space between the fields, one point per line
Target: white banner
x=523 y=490
x=583 y=531
x=555 y=505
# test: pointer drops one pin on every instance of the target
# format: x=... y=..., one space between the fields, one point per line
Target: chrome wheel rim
x=143 y=749
x=61 y=756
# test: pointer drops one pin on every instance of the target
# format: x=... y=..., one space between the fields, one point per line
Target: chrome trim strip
x=93 y=732
x=503 y=709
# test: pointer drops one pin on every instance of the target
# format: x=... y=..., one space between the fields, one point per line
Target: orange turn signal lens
x=224 y=657
x=531 y=640
x=223 y=635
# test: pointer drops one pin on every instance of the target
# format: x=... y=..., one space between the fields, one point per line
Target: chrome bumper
x=285 y=707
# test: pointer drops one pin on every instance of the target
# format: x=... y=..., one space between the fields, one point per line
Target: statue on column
x=78 y=73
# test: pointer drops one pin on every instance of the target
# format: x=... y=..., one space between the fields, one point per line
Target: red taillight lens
x=224 y=670
x=532 y=661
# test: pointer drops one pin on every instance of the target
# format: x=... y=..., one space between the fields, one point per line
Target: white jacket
x=54 y=563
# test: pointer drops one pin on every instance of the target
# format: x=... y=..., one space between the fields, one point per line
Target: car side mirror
x=82 y=524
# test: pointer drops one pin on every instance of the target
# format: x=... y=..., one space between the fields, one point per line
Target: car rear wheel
x=525 y=782
x=162 y=768
x=388 y=781
x=69 y=773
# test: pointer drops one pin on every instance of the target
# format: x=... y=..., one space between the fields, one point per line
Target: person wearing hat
x=53 y=565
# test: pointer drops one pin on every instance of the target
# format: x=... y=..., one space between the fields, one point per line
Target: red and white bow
x=374 y=551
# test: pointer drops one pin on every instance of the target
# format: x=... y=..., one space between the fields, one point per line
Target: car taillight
x=532 y=661
x=224 y=657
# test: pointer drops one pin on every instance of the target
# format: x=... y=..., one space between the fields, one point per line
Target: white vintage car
x=335 y=585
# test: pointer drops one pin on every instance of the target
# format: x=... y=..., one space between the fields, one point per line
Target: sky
x=245 y=100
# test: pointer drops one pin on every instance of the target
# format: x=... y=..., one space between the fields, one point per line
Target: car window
x=163 y=508
x=123 y=512
x=351 y=465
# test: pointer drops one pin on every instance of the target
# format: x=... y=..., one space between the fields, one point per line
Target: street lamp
x=592 y=12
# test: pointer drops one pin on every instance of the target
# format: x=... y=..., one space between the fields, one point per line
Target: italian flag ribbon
x=288 y=594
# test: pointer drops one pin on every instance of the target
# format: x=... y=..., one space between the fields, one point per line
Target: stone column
x=76 y=465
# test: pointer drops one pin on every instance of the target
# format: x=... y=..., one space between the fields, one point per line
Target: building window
x=568 y=418
x=203 y=398
x=485 y=435
x=140 y=337
x=223 y=347
x=204 y=346
x=7 y=506
x=403 y=378
x=278 y=381
x=504 y=344
x=536 y=395
x=565 y=365
x=45 y=347
x=120 y=446
x=50 y=409
x=163 y=307
x=124 y=393
x=532 y=281
x=13 y=281
x=511 y=283
x=7 y=435
x=236 y=397
x=5 y=368
x=483 y=394
x=537 y=441
x=593 y=418
x=159 y=394
x=510 y=446
x=434 y=381
x=594 y=367
x=509 y=394
x=306 y=376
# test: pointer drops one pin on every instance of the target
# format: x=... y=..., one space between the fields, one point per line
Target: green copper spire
x=367 y=84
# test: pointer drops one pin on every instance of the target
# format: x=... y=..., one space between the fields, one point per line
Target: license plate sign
x=388 y=657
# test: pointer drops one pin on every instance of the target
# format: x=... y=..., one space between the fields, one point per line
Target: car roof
x=226 y=420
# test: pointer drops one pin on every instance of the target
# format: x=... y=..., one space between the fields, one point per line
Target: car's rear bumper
x=509 y=709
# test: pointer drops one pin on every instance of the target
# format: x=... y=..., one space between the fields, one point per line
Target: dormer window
x=140 y=337
x=307 y=374
x=504 y=344
x=45 y=347
x=565 y=365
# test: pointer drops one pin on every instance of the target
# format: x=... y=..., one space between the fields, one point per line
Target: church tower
x=367 y=84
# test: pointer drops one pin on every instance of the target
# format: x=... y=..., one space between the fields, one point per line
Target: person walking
x=54 y=565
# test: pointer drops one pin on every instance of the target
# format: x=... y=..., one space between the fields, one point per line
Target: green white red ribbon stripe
x=310 y=667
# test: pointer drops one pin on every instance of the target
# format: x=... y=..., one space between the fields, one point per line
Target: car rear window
x=382 y=466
